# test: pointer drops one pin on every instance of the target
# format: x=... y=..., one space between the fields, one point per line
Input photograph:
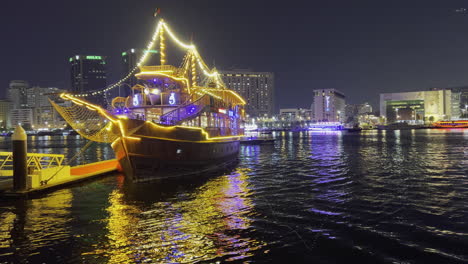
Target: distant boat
x=256 y=140
x=353 y=129
x=399 y=126
x=322 y=126
x=45 y=133
x=451 y=124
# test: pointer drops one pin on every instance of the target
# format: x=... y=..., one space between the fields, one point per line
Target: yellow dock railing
x=35 y=161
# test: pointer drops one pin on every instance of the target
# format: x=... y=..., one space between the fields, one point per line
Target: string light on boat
x=194 y=71
x=162 y=28
x=176 y=40
x=162 y=46
x=150 y=45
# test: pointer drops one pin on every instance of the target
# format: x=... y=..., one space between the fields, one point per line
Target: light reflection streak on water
x=7 y=220
x=38 y=224
x=331 y=185
x=189 y=227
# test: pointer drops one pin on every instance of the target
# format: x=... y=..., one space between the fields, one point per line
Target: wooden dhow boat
x=176 y=120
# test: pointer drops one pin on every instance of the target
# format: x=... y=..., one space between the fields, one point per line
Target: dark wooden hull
x=145 y=157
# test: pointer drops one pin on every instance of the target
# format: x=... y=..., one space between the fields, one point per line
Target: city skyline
x=358 y=50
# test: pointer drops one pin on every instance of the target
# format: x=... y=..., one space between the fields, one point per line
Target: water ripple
x=370 y=197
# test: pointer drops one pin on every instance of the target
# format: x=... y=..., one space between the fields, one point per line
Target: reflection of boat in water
x=353 y=129
x=188 y=225
x=451 y=124
x=176 y=120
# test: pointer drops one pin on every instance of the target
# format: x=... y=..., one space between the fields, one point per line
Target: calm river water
x=336 y=197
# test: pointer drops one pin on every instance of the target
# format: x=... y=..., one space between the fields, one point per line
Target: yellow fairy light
x=173 y=37
x=162 y=47
x=194 y=71
x=162 y=28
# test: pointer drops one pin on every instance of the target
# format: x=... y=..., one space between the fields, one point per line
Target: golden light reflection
x=39 y=221
x=7 y=220
x=36 y=224
x=189 y=227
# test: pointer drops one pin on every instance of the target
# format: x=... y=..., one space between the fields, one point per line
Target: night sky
x=362 y=48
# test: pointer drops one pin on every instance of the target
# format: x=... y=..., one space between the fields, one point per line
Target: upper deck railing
x=186 y=111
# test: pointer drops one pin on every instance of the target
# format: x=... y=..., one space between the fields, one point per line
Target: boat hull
x=152 y=158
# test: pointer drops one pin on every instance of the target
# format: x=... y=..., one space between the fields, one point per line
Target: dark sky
x=362 y=48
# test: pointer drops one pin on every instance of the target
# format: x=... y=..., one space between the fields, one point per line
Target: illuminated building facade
x=417 y=107
x=295 y=114
x=43 y=114
x=257 y=88
x=88 y=73
x=30 y=106
x=329 y=106
x=5 y=109
x=23 y=117
x=459 y=101
x=129 y=62
x=17 y=94
x=354 y=111
x=20 y=112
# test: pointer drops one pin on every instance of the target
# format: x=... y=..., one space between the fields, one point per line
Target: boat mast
x=162 y=45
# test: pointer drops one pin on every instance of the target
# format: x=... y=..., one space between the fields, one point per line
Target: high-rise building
x=88 y=73
x=23 y=117
x=5 y=110
x=257 y=88
x=30 y=106
x=43 y=114
x=354 y=111
x=364 y=108
x=17 y=94
x=417 y=107
x=39 y=96
x=129 y=61
x=459 y=101
x=329 y=105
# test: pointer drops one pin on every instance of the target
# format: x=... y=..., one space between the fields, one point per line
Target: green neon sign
x=124 y=53
x=93 y=58
x=71 y=59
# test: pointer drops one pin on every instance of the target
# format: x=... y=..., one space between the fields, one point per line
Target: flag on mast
x=158 y=10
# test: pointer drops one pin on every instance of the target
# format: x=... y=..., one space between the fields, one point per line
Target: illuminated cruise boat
x=326 y=126
x=451 y=124
x=177 y=120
